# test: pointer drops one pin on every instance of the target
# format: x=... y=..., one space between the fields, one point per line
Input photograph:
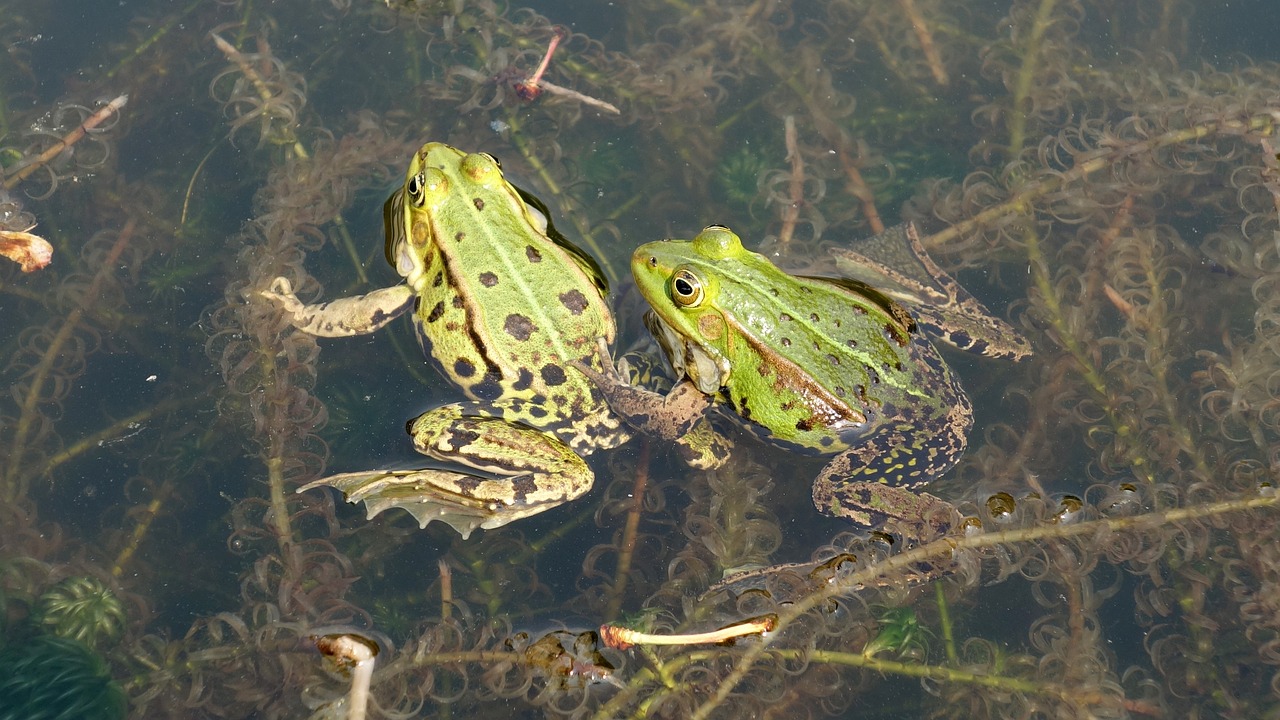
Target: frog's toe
x=280 y=292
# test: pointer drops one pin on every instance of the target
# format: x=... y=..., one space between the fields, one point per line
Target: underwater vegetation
x=1096 y=172
x=52 y=678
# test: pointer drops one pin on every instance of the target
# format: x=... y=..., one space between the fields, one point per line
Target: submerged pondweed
x=1102 y=175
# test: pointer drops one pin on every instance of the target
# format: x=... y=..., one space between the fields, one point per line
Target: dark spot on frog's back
x=436 y=312
x=488 y=279
x=490 y=388
x=463 y=367
x=553 y=375
x=575 y=301
x=438 y=280
x=519 y=327
x=524 y=381
x=459 y=236
x=479 y=203
x=532 y=253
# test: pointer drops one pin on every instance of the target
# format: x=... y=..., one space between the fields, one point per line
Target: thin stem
x=71 y=138
x=140 y=530
x=944 y=620
x=1026 y=74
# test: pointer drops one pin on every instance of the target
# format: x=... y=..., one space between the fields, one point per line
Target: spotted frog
x=825 y=366
x=507 y=309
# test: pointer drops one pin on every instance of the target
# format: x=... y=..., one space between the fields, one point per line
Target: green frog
x=508 y=310
x=824 y=366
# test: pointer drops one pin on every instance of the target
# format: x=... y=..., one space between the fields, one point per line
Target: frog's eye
x=414 y=186
x=493 y=159
x=686 y=288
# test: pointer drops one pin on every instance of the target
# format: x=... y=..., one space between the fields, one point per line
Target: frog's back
x=850 y=360
x=503 y=307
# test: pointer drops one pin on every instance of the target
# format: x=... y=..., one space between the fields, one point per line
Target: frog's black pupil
x=683 y=287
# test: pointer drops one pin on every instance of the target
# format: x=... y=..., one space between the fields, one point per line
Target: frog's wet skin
x=818 y=365
x=508 y=309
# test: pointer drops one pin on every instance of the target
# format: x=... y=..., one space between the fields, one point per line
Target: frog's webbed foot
x=427 y=495
x=524 y=472
x=343 y=317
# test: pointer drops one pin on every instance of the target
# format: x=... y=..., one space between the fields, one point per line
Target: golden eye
x=686 y=288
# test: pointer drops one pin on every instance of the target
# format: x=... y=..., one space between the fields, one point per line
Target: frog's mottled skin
x=507 y=309
x=822 y=366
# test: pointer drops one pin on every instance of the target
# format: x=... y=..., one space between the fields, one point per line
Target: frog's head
x=681 y=282
x=406 y=212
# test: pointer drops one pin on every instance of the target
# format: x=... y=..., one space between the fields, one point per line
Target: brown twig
x=238 y=59
x=795 y=187
x=925 y=38
x=67 y=141
x=629 y=532
x=584 y=99
x=529 y=88
x=858 y=188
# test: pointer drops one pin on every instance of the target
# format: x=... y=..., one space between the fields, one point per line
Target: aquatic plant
x=53 y=678
x=82 y=609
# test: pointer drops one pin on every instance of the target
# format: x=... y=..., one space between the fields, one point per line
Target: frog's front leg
x=679 y=416
x=344 y=317
x=527 y=472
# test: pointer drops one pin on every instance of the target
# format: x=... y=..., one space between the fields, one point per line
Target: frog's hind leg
x=526 y=471
x=877 y=480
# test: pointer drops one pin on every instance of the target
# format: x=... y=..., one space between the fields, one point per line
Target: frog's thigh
x=865 y=482
x=536 y=468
